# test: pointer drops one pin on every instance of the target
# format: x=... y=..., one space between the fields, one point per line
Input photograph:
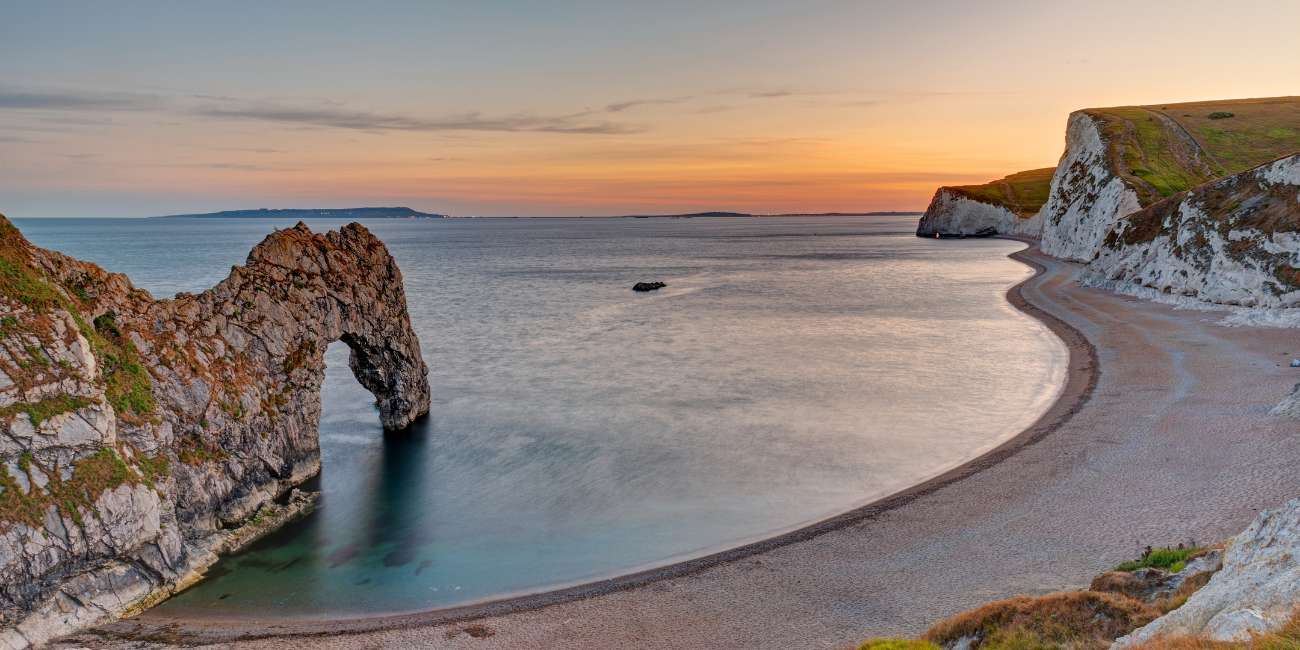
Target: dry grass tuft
x=1286 y=638
x=1083 y=620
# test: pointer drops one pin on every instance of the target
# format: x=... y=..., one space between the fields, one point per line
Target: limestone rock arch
x=137 y=435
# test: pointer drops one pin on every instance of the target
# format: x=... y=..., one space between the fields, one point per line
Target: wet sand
x=1162 y=435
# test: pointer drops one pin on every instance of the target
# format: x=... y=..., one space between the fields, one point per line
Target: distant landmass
x=311 y=213
x=693 y=215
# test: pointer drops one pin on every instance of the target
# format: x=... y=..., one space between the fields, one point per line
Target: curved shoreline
x=1082 y=375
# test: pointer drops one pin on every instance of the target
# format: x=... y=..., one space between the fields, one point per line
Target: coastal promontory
x=142 y=437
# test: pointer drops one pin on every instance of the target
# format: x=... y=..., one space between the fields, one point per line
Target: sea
x=792 y=369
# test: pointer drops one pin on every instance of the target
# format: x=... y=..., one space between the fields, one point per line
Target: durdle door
x=142 y=436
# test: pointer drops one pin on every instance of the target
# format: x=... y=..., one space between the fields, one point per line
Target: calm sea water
x=793 y=369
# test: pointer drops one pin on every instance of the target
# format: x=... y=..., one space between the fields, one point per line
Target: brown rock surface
x=136 y=433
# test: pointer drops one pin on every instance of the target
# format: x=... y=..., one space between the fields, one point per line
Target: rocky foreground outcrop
x=1241 y=594
x=1289 y=407
x=1234 y=241
x=1256 y=591
x=139 y=436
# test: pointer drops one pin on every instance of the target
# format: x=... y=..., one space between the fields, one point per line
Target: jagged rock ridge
x=138 y=433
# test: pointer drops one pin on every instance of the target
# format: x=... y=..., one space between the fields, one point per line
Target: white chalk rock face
x=1256 y=591
x=953 y=215
x=1235 y=241
x=1087 y=197
x=1031 y=227
x=1289 y=407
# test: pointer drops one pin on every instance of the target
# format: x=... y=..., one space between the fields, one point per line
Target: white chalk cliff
x=1234 y=241
x=952 y=214
x=1088 y=195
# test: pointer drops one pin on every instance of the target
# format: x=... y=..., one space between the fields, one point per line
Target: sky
x=585 y=108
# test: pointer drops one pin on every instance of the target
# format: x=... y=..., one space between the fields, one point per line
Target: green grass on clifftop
x=1165 y=149
x=1023 y=193
x=1259 y=130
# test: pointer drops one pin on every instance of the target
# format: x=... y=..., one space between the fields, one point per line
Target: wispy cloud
x=370 y=121
x=76 y=100
x=716 y=108
x=619 y=107
x=246 y=167
x=251 y=149
x=321 y=113
x=231 y=166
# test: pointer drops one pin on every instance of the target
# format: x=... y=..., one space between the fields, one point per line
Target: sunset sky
x=585 y=108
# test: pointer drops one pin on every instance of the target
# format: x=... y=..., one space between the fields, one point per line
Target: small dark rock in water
x=648 y=286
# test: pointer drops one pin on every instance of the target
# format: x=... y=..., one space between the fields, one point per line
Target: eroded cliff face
x=1088 y=194
x=140 y=434
x=1234 y=241
x=953 y=215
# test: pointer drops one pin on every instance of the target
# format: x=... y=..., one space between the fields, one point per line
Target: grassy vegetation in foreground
x=1117 y=603
x=897 y=644
x=1172 y=560
x=1084 y=620
x=1041 y=629
x=1023 y=193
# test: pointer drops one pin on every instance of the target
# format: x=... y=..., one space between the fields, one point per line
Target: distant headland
x=311 y=213
x=408 y=213
x=695 y=215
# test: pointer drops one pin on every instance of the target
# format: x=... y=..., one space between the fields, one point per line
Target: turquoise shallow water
x=793 y=369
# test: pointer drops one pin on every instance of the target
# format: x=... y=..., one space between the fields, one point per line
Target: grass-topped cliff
x=1118 y=160
x=1022 y=193
x=1161 y=150
x=1002 y=206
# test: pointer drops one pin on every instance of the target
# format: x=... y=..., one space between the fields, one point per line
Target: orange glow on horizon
x=755 y=107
